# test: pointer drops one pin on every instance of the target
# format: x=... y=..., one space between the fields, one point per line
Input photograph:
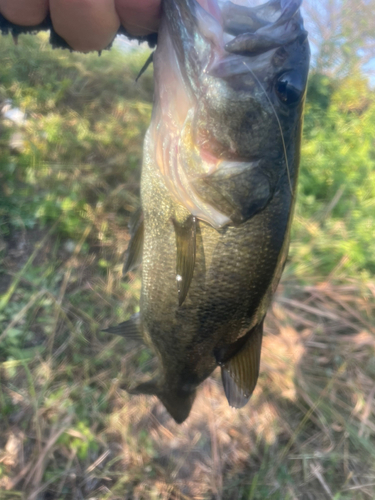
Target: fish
x=218 y=189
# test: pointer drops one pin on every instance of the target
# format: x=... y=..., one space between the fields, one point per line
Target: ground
x=69 y=430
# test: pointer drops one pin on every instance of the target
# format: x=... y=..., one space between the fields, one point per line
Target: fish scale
x=218 y=189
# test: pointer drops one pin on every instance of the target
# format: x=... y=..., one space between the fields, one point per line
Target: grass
x=68 y=429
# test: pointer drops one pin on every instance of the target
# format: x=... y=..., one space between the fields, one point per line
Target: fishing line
x=278 y=122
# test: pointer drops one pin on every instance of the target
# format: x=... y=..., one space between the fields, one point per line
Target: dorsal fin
x=133 y=254
x=149 y=60
x=240 y=373
x=129 y=329
x=185 y=262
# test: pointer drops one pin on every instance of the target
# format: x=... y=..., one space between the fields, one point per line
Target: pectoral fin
x=240 y=374
x=186 y=244
x=133 y=255
x=129 y=329
x=238 y=189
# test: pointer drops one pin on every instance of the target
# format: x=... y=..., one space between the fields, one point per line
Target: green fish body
x=218 y=189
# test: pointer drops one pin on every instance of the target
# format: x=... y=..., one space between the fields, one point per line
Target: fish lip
x=265 y=34
x=199 y=34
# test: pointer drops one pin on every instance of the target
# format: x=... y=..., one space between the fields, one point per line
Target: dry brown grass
x=69 y=431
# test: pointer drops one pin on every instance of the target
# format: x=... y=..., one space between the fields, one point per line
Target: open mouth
x=206 y=127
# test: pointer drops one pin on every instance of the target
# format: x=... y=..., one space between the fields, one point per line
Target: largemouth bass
x=218 y=188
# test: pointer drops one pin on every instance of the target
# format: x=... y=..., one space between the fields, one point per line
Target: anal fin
x=240 y=373
x=133 y=255
x=185 y=263
x=129 y=329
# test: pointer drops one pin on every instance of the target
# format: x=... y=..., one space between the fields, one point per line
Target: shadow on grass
x=70 y=431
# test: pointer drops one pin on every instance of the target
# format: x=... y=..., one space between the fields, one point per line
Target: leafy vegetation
x=69 y=182
x=335 y=221
x=82 y=137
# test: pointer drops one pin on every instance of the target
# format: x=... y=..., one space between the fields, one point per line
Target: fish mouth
x=246 y=26
x=255 y=33
x=200 y=45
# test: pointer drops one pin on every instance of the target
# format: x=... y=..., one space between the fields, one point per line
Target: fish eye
x=288 y=89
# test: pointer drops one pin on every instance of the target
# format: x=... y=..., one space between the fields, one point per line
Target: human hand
x=86 y=24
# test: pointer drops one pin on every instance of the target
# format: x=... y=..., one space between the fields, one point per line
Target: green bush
x=82 y=139
x=335 y=225
x=82 y=153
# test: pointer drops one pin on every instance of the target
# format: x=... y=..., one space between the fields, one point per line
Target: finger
x=85 y=24
x=139 y=17
x=24 y=12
